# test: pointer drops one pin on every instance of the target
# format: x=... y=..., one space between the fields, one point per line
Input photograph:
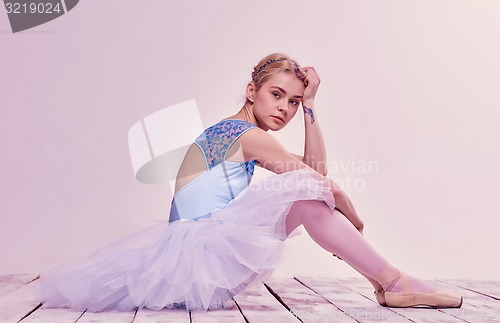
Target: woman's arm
x=272 y=155
x=314 y=145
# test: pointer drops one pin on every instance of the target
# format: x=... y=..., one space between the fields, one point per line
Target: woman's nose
x=282 y=107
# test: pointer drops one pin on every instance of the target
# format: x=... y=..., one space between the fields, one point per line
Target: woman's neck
x=246 y=114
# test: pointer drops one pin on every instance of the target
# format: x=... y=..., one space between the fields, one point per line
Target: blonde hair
x=273 y=64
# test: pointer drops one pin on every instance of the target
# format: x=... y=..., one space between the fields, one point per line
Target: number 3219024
x=39 y=7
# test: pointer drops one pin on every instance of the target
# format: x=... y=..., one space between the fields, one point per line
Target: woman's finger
x=310 y=71
x=311 y=79
x=311 y=75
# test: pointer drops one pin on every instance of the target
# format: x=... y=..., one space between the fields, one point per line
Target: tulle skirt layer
x=196 y=265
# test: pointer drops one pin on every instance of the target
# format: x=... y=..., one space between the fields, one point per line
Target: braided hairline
x=265 y=64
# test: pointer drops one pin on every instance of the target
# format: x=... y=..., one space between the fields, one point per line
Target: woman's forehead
x=286 y=81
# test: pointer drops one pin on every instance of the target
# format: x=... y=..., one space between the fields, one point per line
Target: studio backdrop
x=408 y=105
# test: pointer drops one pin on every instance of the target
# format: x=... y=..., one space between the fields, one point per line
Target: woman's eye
x=294 y=102
x=276 y=95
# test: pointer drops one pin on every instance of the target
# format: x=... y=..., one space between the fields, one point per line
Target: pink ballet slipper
x=380 y=296
x=408 y=297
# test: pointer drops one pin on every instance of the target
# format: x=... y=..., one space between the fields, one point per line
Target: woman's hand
x=344 y=205
x=312 y=83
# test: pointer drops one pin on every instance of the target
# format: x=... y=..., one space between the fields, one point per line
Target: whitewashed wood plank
x=363 y=287
x=304 y=303
x=107 y=317
x=18 y=303
x=144 y=316
x=488 y=288
x=162 y=316
x=21 y=279
x=9 y=283
x=259 y=306
x=476 y=307
x=353 y=304
x=52 y=315
x=224 y=315
x=7 y=288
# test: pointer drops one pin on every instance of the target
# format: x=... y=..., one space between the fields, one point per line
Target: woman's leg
x=334 y=233
x=294 y=219
x=344 y=205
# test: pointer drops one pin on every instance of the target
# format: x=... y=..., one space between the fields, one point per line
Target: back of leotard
x=223 y=180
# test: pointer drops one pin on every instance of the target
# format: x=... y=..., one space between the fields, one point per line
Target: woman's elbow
x=322 y=170
x=321 y=167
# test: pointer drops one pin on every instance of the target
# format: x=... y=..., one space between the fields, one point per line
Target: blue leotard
x=222 y=182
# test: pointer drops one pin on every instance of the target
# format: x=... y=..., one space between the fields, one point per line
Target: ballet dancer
x=225 y=232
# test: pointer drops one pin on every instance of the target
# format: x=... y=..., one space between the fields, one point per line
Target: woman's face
x=277 y=100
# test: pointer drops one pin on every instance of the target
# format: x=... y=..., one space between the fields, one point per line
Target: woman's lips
x=278 y=119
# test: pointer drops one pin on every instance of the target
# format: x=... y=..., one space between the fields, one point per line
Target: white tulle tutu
x=196 y=265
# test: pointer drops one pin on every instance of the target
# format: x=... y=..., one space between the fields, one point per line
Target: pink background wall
x=411 y=87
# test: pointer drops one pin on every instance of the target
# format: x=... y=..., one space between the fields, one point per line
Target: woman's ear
x=250 y=91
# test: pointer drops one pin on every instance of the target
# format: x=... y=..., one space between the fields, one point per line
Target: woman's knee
x=336 y=190
x=294 y=217
x=311 y=208
x=301 y=209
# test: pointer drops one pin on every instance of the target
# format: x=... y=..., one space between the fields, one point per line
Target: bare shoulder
x=256 y=139
x=268 y=151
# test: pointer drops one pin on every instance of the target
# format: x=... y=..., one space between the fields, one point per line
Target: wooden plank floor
x=298 y=299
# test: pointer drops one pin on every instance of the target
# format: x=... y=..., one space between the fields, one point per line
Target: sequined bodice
x=222 y=182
